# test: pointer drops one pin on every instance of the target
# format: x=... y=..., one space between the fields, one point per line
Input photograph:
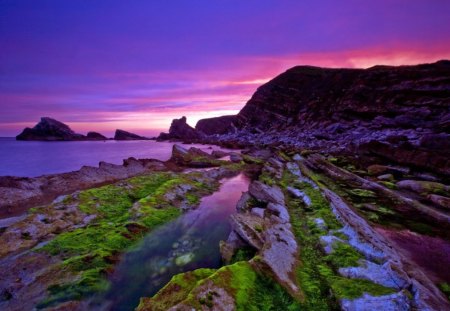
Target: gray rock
x=386 y=177
x=257 y=211
x=383 y=274
x=394 y=302
x=235 y=157
x=265 y=193
x=300 y=194
x=280 y=211
x=242 y=204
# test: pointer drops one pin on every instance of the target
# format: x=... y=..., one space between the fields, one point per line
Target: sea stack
x=124 y=135
x=49 y=129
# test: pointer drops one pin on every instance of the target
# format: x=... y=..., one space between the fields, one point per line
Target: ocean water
x=36 y=158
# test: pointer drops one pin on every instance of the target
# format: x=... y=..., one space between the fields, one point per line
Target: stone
x=385 y=274
x=219 y=154
x=377 y=169
x=242 y=204
x=422 y=187
x=124 y=135
x=180 y=130
x=218 y=125
x=235 y=157
x=266 y=193
x=257 y=211
x=184 y=259
x=96 y=136
x=280 y=211
x=386 y=177
x=51 y=130
x=393 y=302
x=300 y=194
x=440 y=200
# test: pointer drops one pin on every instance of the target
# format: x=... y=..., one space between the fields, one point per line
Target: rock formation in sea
x=124 y=135
x=180 y=130
x=95 y=136
x=49 y=129
x=218 y=125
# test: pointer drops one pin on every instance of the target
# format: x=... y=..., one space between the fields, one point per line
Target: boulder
x=51 y=130
x=235 y=157
x=219 y=154
x=440 y=200
x=192 y=157
x=265 y=193
x=423 y=187
x=124 y=135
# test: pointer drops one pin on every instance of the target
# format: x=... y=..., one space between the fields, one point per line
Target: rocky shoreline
x=348 y=206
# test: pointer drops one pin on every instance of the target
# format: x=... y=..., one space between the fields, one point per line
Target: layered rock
x=192 y=157
x=124 y=135
x=218 y=125
x=19 y=193
x=305 y=96
x=400 y=114
x=180 y=130
x=51 y=130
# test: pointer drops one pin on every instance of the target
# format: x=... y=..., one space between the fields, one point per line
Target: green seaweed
x=124 y=213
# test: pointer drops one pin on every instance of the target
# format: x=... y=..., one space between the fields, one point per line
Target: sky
x=136 y=65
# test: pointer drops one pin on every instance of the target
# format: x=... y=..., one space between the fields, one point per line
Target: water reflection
x=189 y=243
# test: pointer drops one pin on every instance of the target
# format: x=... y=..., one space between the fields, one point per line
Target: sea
x=36 y=158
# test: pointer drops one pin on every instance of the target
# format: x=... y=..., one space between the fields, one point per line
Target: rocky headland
x=348 y=206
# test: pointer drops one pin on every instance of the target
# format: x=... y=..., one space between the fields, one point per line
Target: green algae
x=317 y=274
x=176 y=290
x=343 y=255
x=243 y=254
x=124 y=213
x=445 y=288
x=250 y=290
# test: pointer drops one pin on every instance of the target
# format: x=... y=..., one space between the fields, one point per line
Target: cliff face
x=406 y=97
x=401 y=114
x=218 y=125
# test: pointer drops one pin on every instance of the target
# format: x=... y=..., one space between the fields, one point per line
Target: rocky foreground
x=348 y=208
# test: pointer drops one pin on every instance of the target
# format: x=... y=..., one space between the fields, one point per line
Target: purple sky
x=101 y=65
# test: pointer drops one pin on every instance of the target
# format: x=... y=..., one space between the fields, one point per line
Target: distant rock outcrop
x=180 y=130
x=218 y=125
x=95 y=136
x=51 y=130
x=124 y=135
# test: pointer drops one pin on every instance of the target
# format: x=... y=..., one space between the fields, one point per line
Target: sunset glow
x=110 y=64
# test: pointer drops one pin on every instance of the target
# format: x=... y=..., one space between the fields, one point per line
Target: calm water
x=35 y=158
x=189 y=243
